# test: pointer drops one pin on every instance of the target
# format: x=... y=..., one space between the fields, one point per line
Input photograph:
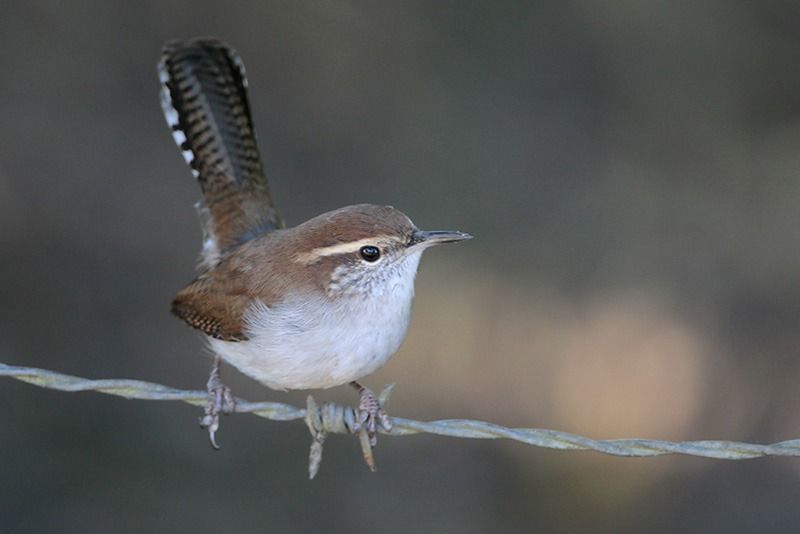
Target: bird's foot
x=370 y=415
x=220 y=401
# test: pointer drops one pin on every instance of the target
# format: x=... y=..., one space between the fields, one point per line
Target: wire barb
x=331 y=418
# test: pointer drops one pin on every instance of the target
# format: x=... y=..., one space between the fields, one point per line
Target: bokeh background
x=629 y=170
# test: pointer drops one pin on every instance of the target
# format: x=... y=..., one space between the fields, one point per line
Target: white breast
x=323 y=342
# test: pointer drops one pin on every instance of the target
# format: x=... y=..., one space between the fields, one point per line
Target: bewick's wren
x=318 y=305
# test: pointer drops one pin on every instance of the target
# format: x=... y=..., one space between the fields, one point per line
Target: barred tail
x=204 y=98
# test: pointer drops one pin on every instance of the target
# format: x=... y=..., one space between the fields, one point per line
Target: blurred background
x=629 y=170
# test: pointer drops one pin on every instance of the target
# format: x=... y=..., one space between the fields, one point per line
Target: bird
x=318 y=305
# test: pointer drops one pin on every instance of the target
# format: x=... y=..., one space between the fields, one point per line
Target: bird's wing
x=204 y=98
x=214 y=308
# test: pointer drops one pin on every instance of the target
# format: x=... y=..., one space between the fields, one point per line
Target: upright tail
x=204 y=98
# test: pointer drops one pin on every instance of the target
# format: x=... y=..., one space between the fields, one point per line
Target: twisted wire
x=331 y=418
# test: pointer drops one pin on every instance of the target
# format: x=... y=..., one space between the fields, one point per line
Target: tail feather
x=204 y=99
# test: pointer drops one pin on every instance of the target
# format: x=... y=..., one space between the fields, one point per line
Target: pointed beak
x=436 y=237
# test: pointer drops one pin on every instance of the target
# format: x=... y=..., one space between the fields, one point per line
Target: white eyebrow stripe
x=340 y=248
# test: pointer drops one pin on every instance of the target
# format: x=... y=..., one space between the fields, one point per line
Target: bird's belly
x=316 y=349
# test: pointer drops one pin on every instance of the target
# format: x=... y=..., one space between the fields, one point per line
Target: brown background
x=629 y=170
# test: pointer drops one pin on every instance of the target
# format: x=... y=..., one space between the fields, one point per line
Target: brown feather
x=205 y=100
x=265 y=268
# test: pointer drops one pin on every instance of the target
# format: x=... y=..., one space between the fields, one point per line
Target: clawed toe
x=370 y=416
x=220 y=401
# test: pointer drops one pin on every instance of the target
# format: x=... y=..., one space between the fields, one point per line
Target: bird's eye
x=370 y=253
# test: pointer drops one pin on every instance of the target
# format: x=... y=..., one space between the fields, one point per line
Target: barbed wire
x=330 y=418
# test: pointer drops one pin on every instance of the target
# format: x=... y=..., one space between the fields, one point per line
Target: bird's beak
x=436 y=237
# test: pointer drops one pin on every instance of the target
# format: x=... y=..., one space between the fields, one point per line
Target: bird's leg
x=370 y=413
x=220 y=401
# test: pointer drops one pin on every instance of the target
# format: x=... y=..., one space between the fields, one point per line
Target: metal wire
x=334 y=419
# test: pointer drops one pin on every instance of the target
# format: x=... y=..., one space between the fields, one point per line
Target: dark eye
x=370 y=253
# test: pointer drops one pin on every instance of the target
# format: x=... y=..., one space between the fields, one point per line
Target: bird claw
x=370 y=415
x=220 y=401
